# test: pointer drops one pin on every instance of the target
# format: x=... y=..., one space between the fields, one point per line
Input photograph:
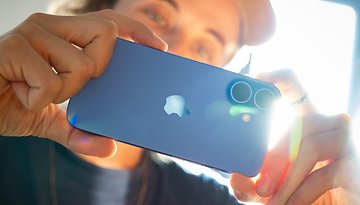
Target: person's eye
x=156 y=17
x=203 y=52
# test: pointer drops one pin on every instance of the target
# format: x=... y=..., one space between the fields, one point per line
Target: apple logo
x=175 y=104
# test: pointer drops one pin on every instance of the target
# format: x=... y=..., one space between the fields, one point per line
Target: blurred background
x=15 y=11
x=317 y=39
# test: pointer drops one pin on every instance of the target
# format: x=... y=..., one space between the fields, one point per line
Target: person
x=47 y=59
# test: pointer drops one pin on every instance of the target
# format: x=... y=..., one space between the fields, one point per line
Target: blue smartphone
x=178 y=107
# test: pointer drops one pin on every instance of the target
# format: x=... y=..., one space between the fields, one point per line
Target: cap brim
x=258 y=21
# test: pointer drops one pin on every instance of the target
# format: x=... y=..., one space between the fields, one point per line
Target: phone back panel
x=129 y=103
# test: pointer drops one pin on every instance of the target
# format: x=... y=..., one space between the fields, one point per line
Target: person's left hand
x=325 y=160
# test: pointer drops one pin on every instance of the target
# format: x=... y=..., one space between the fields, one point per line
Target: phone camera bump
x=264 y=99
x=241 y=92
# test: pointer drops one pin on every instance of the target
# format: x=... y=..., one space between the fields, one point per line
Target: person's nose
x=178 y=42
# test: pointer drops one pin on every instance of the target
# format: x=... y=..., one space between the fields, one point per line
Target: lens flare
x=72 y=119
x=295 y=138
x=355 y=131
x=239 y=110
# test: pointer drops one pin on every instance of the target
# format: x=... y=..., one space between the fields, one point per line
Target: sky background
x=13 y=12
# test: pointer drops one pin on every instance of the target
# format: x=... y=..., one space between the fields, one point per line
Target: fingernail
x=242 y=196
x=264 y=185
x=165 y=45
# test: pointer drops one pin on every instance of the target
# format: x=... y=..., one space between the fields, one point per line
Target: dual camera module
x=242 y=93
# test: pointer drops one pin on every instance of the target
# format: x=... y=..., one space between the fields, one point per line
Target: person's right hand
x=314 y=163
x=46 y=60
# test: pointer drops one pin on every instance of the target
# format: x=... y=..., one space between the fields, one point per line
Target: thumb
x=56 y=127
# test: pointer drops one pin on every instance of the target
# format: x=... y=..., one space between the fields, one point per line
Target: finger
x=285 y=151
x=315 y=185
x=316 y=124
x=90 y=144
x=274 y=169
x=96 y=33
x=129 y=28
x=291 y=88
x=72 y=66
x=244 y=188
x=60 y=130
x=287 y=82
x=324 y=146
x=4 y=83
x=34 y=82
x=95 y=36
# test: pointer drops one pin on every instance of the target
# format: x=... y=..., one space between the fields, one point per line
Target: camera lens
x=264 y=98
x=241 y=92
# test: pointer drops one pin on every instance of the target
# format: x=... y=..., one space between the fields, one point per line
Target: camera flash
x=246 y=117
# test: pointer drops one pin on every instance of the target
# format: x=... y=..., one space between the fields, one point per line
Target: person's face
x=206 y=31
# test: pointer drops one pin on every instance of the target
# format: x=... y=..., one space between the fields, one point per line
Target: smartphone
x=178 y=107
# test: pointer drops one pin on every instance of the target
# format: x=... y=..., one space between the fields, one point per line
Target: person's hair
x=75 y=7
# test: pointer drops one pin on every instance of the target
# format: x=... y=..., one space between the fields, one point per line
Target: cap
x=257 y=21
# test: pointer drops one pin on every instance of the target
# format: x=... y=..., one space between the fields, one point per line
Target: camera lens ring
x=256 y=100
x=235 y=87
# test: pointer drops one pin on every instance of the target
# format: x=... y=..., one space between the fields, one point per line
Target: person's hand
x=291 y=89
x=303 y=180
x=325 y=159
x=46 y=60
